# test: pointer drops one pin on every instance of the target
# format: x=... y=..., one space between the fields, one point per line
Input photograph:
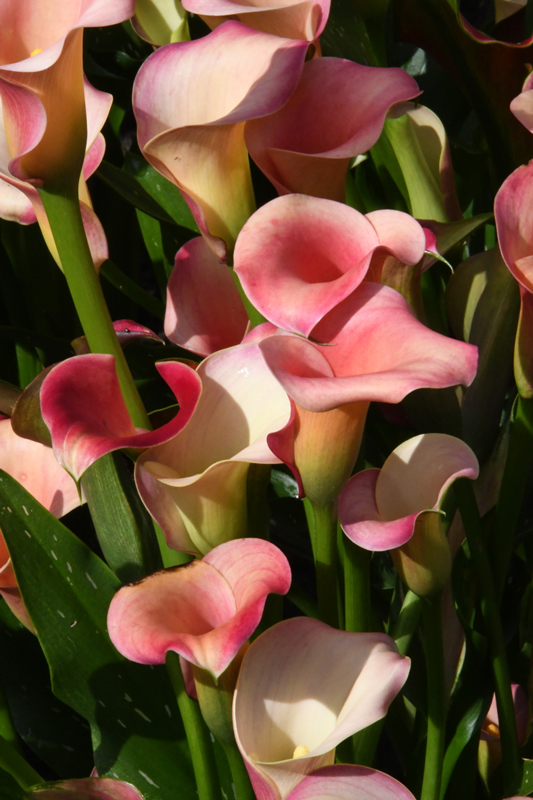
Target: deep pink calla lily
x=42 y=85
x=371 y=348
x=293 y=19
x=397 y=508
x=302 y=689
x=195 y=484
x=512 y=210
x=336 y=112
x=204 y=311
x=83 y=407
x=191 y=100
x=345 y=782
x=205 y=611
x=20 y=201
x=36 y=468
x=298 y=257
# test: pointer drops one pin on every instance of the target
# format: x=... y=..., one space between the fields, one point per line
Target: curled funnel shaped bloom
x=398 y=506
x=191 y=100
x=42 y=85
x=512 y=210
x=36 y=468
x=293 y=19
x=20 y=201
x=336 y=112
x=298 y=257
x=195 y=484
x=302 y=689
x=204 y=611
x=345 y=782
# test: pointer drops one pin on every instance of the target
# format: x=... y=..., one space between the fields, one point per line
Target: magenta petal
x=346 y=782
x=82 y=405
x=336 y=112
x=298 y=257
x=204 y=311
x=360 y=518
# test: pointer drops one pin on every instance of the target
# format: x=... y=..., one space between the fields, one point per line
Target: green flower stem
x=356 y=587
x=407 y=622
x=431 y=610
x=325 y=552
x=514 y=482
x=12 y=762
x=511 y=762
x=201 y=749
x=241 y=779
x=63 y=211
x=7 y=728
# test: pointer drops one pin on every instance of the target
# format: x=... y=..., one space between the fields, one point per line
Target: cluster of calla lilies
x=289 y=320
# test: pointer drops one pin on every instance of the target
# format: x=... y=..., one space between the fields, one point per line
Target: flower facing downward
x=204 y=611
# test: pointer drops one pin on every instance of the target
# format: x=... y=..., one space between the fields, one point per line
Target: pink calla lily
x=93 y=788
x=346 y=782
x=513 y=223
x=195 y=484
x=336 y=112
x=191 y=100
x=20 y=201
x=293 y=19
x=378 y=508
x=522 y=105
x=302 y=689
x=298 y=257
x=35 y=467
x=41 y=83
x=127 y=332
x=205 y=611
x=204 y=311
x=83 y=407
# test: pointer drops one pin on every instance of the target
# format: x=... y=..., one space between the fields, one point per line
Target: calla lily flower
x=490 y=749
x=160 y=21
x=302 y=689
x=127 y=332
x=35 y=467
x=371 y=348
x=204 y=611
x=293 y=19
x=20 y=200
x=42 y=85
x=298 y=257
x=513 y=224
x=346 y=782
x=195 y=485
x=398 y=506
x=191 y=100
x=85 y=789
x=336 y=112
x=204 y=311
x=522 y=105
x=83 y=407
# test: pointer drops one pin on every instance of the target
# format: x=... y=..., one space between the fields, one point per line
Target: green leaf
x=160 y=190
x=131 y=190
x=67 y=590
x=526 y=787
x=9 y=788
x=284 y=485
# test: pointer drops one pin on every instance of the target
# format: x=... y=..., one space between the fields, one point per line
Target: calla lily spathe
x=397 y=508
x=305 y=685
x=191 y=100
x=205 y=610
x=336 y=112
x=346 y=782
x=195 y=485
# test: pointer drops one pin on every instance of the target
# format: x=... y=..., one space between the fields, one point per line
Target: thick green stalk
x=325 y=552
x=356 y=587
x=514 y=483
x=201 y=749
x=63 y=211
x=241 y=779
x=407 y=622
x=17 y=766
x=431 y=610
x=511 y=761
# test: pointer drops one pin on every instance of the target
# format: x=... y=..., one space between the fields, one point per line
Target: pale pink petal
x=191 y=99
x=522 y=106
x=97 y=105
x=298 y=257
x=374 y=349
x=82 y=405
x=346 y=782
x=303 y=683
x=294 y=19
x=402 y=235
x=92 y=788
x=204 y=611
x=336 y=112
x=513 y=222
x=204 y=311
